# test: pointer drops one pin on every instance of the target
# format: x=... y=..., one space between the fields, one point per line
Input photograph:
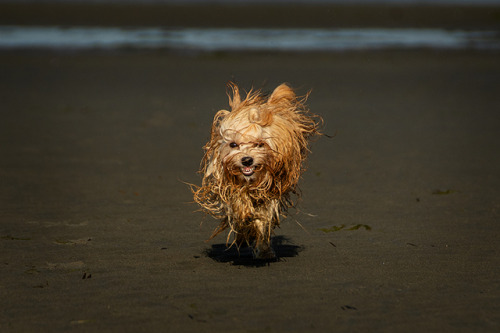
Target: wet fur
x=271 y=132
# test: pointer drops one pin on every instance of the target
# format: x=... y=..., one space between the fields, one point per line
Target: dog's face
x=245 y=146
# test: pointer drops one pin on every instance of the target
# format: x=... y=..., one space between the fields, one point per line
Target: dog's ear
x=280 y=94
x=234 y=96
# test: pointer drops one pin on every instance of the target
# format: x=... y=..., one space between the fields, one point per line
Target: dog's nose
x=247 y=161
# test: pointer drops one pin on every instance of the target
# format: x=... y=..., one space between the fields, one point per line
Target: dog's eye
x=260 y=144
x=233 y=145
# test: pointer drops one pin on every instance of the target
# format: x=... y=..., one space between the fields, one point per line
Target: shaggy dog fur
x=253 y=162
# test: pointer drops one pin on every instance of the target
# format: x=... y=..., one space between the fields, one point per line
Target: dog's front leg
x=263 y=248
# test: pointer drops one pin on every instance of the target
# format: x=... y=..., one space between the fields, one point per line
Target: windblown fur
x=253 y=162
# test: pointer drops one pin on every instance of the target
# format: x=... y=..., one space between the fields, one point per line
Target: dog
x=253 y=162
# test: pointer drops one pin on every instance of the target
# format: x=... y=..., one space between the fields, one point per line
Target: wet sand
x=397 y=229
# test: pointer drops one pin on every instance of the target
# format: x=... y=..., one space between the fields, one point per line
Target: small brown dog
x=253 y=162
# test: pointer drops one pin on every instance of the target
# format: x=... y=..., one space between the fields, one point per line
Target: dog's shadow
x=244 y=256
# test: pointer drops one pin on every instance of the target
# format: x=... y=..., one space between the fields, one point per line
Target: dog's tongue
x=247 y=170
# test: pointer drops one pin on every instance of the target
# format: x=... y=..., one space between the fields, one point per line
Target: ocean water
x=229 y=39
x=253 y=39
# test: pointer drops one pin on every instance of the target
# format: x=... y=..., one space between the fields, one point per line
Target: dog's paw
x=264 y=252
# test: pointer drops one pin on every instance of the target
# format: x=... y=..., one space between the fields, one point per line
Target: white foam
x=297 y=40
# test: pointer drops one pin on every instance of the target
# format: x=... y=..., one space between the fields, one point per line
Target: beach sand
x=397 y=229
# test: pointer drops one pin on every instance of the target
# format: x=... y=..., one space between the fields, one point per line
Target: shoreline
x=243 y=40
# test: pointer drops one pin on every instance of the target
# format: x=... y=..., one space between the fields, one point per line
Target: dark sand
x=98 y=234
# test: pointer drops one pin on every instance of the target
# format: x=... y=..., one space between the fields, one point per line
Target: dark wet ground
x=397 y=230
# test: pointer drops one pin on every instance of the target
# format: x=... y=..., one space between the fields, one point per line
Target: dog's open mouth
x=248 y=171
